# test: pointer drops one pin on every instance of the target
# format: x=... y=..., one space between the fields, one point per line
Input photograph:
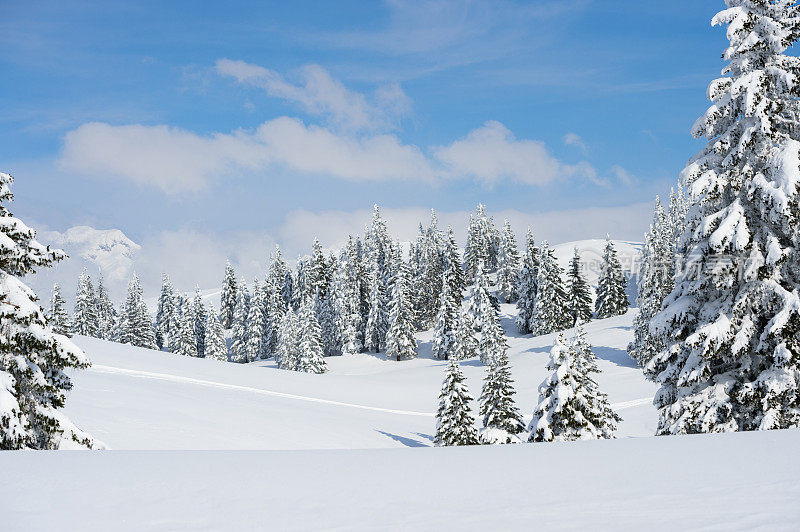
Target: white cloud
x=318 y=93
x=573 y=139
x=622 y=175
x=491 y=153
x=176 y=160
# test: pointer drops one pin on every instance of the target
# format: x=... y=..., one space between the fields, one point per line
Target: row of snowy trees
x=546 y=303
x=570 y=407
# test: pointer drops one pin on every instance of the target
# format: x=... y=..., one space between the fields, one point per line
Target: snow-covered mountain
x=101 y=251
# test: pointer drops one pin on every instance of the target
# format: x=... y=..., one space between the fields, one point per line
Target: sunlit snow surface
x=325 y=469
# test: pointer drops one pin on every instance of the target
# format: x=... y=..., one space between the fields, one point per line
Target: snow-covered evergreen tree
x=571 y=406
x=445 y=339
x=165 y=312
x=85 y=320
x=287 y=355
x=551 y=309
x=481 y=298
x=136 y=327
x=730 y=326
x=493 y=344
x=240 y=331
x=401 y=342
x=57 y=316
x=612 y=299
x=310 y=357
x=578 y=294
x=483 y=241
x=466 y=339
x=454 y=422
x=216 y=349
x=454 y=274
x=228 y=297
x=33 y=359
x=655 y=283
x=330 y=334
x=502 y=422
x=255 y=343
x=185 y=342
x=509 y=265
x=378 y=319
x=200 y=318
x=347 y=303
x=527 y=285
x=106 y=314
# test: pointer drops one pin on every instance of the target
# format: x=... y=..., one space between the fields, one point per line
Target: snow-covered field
x=140 y=399
x=304 y=452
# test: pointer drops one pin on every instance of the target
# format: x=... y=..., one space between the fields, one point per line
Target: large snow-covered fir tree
x=508 y=265
x=579 y=296
x=502 y=422
x=33 y=359
x=551 y=310
x=216 y=349
x=57 y=316
x=199 y=321
x=527 y=284
x=255 y=343
x=228 y=297
x=136 y=327
x=466 y=339
x=85 y=320
x=455 y=424
x=730 y=326
x=612 y=299
x=378 y=318
x=571 y=406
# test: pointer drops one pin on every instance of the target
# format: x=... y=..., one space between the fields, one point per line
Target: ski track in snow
x=200 y=382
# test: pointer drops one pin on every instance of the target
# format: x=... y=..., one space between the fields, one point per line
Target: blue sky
x=259 y=118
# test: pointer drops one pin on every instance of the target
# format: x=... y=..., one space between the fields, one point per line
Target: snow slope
x=315 y=460
x=710 y=482
x=136 y=398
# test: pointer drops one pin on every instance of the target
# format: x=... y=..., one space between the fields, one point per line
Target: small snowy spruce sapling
x=216 y=349
x=455 y=424
x=612 y=299
x=33 y=359
x=571 y=406
x=57 y=316
x=731 y=359
x=502 y=422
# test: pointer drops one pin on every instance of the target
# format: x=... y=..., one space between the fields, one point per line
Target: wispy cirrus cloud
x=319 y=94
